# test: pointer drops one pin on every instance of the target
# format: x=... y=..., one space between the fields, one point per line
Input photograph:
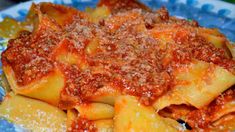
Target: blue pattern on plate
x=188 y=9
x=81 y=5
x=198 y=10
x=207 y=7
x=2 y=93
x=191 y=2
x=6 y=15
x=203 y=15
x=6 y=126
x=224 y=12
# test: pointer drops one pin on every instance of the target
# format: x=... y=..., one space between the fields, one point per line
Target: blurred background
x=7 y=3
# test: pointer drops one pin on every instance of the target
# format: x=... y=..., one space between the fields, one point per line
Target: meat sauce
x=204 y=117
x=137 y=60
x=81 y=125
x=137 y=57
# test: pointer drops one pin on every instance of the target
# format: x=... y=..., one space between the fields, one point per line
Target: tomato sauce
x=137 y=57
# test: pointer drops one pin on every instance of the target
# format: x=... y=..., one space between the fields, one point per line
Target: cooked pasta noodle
x=118 y=67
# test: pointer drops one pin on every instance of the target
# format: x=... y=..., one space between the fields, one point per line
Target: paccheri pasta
x=118 y=67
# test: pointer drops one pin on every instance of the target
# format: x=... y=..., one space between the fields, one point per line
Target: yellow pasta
x=97 y=14
x=47 y=89
x=95 y=111
x=71 y=116
x=218 y=42
x=228 y=108
x=104 y=125
x=106 y=95
x=119 y=67
x=168 y=99
x=226 y=123
x=231 y=48
x=202 y=82
x=32 y=114
x=61 y=14
x=132 y=116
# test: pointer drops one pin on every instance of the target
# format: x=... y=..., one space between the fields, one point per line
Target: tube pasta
x=202 y=82
x=132 y=116
x=61 y=14
x=106 y=95
x=95 y=111
x=168 y=99
x=231 y=48
x=97 y=14
x=47 y=89
x=226 y=123
x=32 y=114
x=104 y=125
x=228 y=108
x=119 y=67
x=71 y=116
x=218 y=42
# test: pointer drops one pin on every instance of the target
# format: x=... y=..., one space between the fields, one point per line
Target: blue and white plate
x=209 y=13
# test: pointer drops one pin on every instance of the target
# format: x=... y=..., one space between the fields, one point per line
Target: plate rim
x=216 y=4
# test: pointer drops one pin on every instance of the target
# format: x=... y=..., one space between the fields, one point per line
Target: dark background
x=6 y=3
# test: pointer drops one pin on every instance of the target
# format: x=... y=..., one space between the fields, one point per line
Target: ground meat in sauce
x=82 y=125
x=204 y=117
x=28 y=55
x=122 y=6
x=139 y=63
x=131 y=56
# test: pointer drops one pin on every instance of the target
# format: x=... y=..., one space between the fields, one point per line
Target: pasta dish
x=119 y=67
